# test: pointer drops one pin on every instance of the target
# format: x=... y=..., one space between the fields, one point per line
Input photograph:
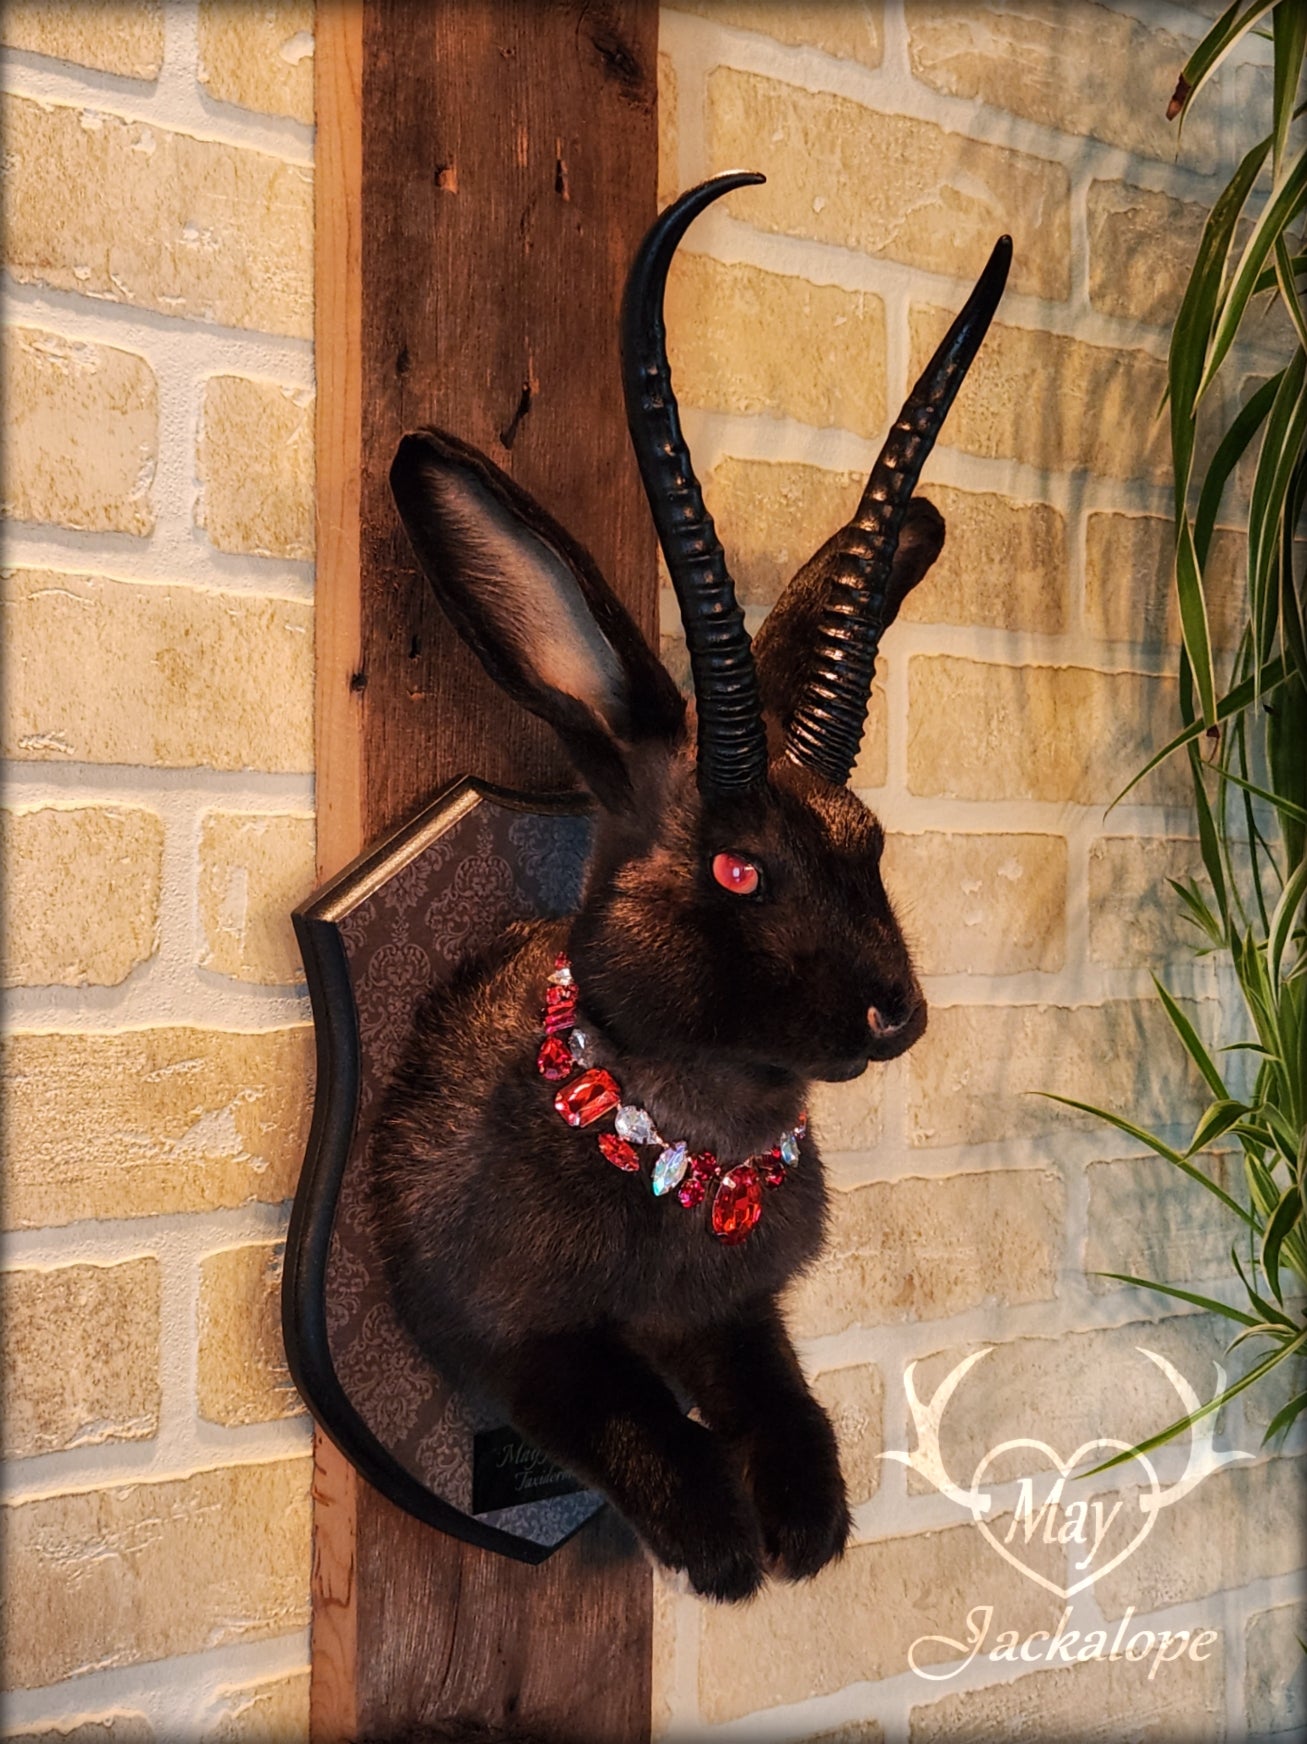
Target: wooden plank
x=502 y=156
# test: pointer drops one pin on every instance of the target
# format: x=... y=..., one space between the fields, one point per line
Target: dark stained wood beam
x=485 y=170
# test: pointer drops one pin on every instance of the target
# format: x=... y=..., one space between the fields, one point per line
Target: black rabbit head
x=734 y=908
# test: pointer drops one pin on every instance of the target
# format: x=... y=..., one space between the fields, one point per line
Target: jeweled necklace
x=737 y=1189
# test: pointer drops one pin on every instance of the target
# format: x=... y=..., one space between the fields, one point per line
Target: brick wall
x=158 y=826
x=1028 y=679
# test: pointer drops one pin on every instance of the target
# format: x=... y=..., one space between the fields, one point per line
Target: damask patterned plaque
x=398 y=921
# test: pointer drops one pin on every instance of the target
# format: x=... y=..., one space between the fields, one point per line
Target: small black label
x=507 y=1471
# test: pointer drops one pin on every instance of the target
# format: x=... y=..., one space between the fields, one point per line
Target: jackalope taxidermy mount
x=593 y=1175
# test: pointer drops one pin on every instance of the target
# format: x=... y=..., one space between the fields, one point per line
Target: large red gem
x=737 y=1205
x=620 y=1154
x=554 y=1061
x=588 y=1099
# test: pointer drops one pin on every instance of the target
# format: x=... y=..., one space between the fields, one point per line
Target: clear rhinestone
x=635 y=1125
x=582 y=1047
x=789 y=1150
x=562 y=977
x=670 y=1168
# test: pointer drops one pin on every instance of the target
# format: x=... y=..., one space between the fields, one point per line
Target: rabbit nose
x=881 y=1026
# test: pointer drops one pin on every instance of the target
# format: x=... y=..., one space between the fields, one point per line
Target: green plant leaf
x=1282 y=447
x=1211 y=1303
x=1281 y=804
x=1226 y=456
x=1286 y=912
x=1283 y=1419
x=1193 y=1044
x=1214 y=1124
x=1283 y=206
x=1176 y=1158
x=1199 y=912
x=1218 y=42
x=1287 y=1213
x=1267 y=679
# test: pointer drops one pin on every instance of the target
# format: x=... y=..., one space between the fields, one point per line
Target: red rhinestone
x=705 y=1167
x=773 y=1170
x=620 y=1154
x=692 y=1190
x=561 y=961
x=737 y=1205
x=554 y=1061
x=558 y=1022
x=557 y=997
x=588 y=1099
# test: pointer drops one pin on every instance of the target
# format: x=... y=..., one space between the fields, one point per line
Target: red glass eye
x=736 y=874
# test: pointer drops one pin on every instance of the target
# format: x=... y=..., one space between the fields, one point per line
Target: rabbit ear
x=532 y=606
x=784 y=644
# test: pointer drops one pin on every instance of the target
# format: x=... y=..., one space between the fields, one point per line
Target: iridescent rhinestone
x=620 y=1154
x=669 y=1169
x=737 y=1204
x=554 y=1061
x=582 y=1047
x=789 y=1149
x=635 y=1124
x=588 y=1098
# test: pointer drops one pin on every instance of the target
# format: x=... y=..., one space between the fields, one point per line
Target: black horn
x=732 y=740
x=825 y=729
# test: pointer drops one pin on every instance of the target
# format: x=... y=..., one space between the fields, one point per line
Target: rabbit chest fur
x=734 y=944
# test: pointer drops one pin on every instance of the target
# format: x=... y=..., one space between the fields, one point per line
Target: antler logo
x=1098 y=1533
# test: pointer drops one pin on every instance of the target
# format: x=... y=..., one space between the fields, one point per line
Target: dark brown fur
x=531 y=1270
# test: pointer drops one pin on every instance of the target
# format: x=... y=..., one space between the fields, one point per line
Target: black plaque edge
x=335 y=1111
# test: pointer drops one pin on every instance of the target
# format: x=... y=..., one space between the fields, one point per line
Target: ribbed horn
x=732 y=739
x=825 y=729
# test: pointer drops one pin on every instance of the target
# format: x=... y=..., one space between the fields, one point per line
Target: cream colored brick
x=1241 y=1525
x=744 y=340
x=841 y=173
x=259 y=56
x=975 y=1075
x=272 y=1712
x=1275 y=1678
x=854 y=1399
x=82 y=893
x=669 y=133
x=121 y=1728
x=81 y=1356
x=922 y=1249
x=979 y=904
x=1135 y=918
x=254 y=868
x=1032 y=61
x=1004 y=564
x=242 y=1374
x=1141 y=251
x=1129 y=593
x=1147 y=1221
x=81 y=433
x=132 y=1123
x=1100 y=1698
x=852 y=31
x=103 y=671
x=136 y=213
x=847 y=1117
x=871 y=768
x=256 y=467
x=858 y=1620
x=1060 y=1393
x=978 y=730
x=1054 y=402
x=772 y=515
x=114 y=36
x=115 y=1577
x=856 y=1732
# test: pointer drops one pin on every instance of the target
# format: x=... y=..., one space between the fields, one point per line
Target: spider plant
x=1246 y=738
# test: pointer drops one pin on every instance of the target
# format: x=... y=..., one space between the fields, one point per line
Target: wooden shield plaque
x=396 y=922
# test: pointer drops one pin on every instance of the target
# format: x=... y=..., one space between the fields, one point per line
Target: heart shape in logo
x=1052 y=1512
